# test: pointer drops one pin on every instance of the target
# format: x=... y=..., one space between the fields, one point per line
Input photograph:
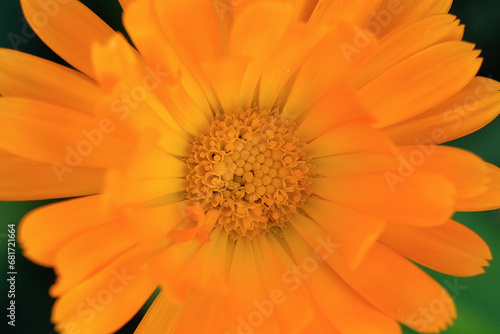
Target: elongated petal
x=256 y=39
x=336 y=56
x=352 y=137
x=487 y=200
x=357 y=12
x=473 y=107
x=345 y=310
x=169 y=265
x=321 y=324
x=144 y=192
x=413 y=291
x=287 y=58
x=108 y=241
x=394 y=14
x=192 y=29
x=135 y=84
x=405 y=42
x=26 y=180
x=31 y=77
x=150 y=161
x=469 y=174
x=353 y=163
x=161 y=317
x=451 y=248
x=53 y=134
x=160 y=220
x=202 y=315
x=125 y=3
x=421 y=200
x=244 y=293
x=68 y=28
x=107 y=300
x=207 y=269
x=195 y=35
x=144 y=27
x=285 y=299
x=64 y=220
x=420 y=82
x=381 y=272
x=352 y=231
x=335 y=108
x=226 y=76
x=302 y=8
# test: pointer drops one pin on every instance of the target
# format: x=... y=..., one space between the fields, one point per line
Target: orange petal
x=175 y=101
x=226 y=76
x=169 y=266
x=394 y=14
x=53 y=134
x=321 y=324
x=357 y=12
x=349 y=138
x=352 y=231
x=337 y=55
x=302 y=8
x=193 y=265
x=282 y=301
x=206 y=270
x=69 y=29
x=255 y=34
x=467 y=172
x=147 y=192
x=109 y=241
x=26 y=180
x=353 y=163
x=405 y=42
x=202 y=315
x=421 y=200
x=191 y=27
x=149 y=161
x=161 y=317
x=286 y=59
x=487 y=200
x=194 y=215
x=83 y=213
x=196 y=34
x=225 y=17
x=473 y=107
x=122 y=72
x=125 y=3
x=107 y=300
x=420 y=82
x=246 y=289
x=339 y=302
x=144 y=27
x=395 y=284
x=414 y=291
x=152 y=224
x=137 y=119
x=31 y=77
x=450 y=248
x=336 y=108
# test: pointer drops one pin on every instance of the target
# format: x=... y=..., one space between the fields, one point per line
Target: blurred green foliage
x=478 y=303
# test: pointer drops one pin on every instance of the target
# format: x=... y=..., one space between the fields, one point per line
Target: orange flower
x=272 y=165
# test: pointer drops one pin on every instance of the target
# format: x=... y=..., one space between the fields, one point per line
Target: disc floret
x=252 y=168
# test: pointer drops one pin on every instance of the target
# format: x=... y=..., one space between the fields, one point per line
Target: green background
x=478 y=305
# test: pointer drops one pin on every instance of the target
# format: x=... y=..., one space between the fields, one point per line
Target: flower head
x=272 y=165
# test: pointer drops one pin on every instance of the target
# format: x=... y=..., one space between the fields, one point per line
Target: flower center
x=252 y=168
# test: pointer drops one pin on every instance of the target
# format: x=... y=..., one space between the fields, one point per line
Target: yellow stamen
x=255 y=172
